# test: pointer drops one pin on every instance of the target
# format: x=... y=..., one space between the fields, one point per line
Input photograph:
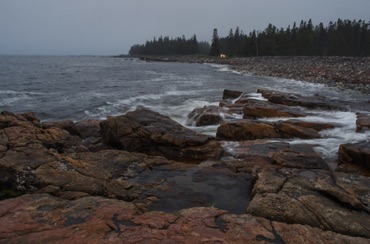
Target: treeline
x=340 y=38
x=170 y=46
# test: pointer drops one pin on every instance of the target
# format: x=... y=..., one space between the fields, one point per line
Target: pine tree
x=215 y=50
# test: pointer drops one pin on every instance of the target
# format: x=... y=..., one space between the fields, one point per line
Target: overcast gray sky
x=106 y=27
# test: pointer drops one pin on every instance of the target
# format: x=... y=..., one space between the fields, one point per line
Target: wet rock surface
x=142 y=177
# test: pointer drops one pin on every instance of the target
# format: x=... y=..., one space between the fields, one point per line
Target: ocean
x=94 y=87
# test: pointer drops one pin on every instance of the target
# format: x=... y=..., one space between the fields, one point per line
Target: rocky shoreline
x=141 y=177
x=342 y=72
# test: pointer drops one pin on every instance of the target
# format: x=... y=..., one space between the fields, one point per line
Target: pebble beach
x=342 y=72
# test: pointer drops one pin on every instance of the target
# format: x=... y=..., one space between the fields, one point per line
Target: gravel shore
x=342 y=72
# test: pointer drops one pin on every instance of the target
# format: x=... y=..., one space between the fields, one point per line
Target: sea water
x=94 y=87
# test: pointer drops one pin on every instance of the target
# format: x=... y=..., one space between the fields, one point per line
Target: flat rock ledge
x=41 y=218
x=143 y=178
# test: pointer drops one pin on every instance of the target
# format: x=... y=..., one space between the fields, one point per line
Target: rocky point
x=141 y=177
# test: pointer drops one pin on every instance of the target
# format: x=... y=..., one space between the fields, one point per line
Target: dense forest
x=170 y=46
x=340 y=38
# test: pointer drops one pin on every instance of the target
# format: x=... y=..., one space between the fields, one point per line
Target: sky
x=111 y=27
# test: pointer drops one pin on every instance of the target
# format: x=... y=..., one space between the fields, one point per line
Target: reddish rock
x=46 y=219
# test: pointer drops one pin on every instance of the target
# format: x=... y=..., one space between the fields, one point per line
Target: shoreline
x=340 y=72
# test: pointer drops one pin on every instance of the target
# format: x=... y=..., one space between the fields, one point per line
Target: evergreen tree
x=167 y=46
x=340 y=38
x=215 y=50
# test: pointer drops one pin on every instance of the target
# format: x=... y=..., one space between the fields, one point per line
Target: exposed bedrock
x=127 y=178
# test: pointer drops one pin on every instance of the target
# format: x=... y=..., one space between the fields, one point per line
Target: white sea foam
x=8 y=92
x=12 y=97
x=224 y=68
x=256 y=96
x=344 y=132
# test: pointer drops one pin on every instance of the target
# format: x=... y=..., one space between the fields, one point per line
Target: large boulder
x=154 y=134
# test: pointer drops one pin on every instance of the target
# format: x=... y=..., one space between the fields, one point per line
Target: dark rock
x=231 y=94
x=83 y=129
x=357 y=153
x=261 y=109
x=89 y=131
x=301 y=129
x=88 y=128
x=263 y=154
x=104 y=173
x=252 y=130
x=67 y=125
x=362 y=122
x=32 y=165
x=154 y=134
x=290 y=99
x=208 y=115
x=299 y=157
x=34 y=158
x=246 y=130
